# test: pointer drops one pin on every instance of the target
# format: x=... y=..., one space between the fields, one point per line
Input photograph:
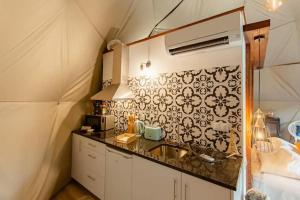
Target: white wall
x=162 y=62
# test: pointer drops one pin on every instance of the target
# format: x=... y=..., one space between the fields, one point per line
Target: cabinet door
x=196 y=189
x=118 y=177
x=88 y=164
x=153 y=181
x=77 y=158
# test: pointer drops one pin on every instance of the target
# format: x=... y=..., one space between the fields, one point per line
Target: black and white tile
x=186 y=103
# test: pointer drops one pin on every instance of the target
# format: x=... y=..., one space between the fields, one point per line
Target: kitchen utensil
x=130 y=121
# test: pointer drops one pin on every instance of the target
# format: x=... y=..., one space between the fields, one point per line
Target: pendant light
x=273 y=5
x=261 y=134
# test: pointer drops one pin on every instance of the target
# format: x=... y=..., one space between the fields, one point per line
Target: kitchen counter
x=225 y=172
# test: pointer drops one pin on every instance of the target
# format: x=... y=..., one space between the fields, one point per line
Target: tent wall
x=49 y=66
x=145 y=14
x=280 y=94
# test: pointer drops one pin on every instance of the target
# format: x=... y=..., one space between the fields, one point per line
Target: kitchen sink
x=167 y=151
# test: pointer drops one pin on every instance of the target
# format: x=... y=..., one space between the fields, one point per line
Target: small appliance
x=100 y=122
x=139 y=127
x=153 y=133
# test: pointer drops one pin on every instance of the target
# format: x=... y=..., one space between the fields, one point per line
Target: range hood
x=118 y=89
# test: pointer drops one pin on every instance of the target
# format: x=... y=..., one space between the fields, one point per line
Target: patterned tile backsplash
x=186 y=103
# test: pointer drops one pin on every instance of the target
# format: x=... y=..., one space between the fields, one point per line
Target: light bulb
x=273 y=5
x=260 y=134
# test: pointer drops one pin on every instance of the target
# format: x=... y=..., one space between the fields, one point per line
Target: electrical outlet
x=221 y=126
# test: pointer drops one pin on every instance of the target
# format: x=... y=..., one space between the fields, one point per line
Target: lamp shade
x=260 y=133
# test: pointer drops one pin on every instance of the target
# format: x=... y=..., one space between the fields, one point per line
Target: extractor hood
x=118 y=89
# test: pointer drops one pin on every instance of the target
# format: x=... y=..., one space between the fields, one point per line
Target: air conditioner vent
x=211 y=35
x=200 y=45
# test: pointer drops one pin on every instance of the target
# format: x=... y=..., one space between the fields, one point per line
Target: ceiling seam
x=129 y=14
x=89 y=20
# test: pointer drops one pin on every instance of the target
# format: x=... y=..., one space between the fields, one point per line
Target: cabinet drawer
x=93 y=161
x=93 y=145
x=94 y=183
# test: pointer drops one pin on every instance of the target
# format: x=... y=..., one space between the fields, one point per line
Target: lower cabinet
x=114 y=175
x=152 y=181
x=197 y=189
x=118 y=181
x=88 y=164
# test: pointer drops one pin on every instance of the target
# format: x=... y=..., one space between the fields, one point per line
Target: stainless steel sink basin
x=167 y=151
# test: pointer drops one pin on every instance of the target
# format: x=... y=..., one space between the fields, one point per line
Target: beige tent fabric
x=48 y=71
x=280 y=94
x=145 y=14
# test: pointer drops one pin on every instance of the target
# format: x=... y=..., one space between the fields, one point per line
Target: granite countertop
x=225 y=172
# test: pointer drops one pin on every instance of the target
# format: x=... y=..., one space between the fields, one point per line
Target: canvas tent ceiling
x=280 y=95
x=49 y=66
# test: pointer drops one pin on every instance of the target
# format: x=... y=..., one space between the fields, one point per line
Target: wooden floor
x=74 y=191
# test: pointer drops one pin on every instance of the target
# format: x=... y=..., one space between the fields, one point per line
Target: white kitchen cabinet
x=88 y=164
x=77 y=158
x=118 y=182
x=197 y=189
x=115 y=175
x=107 y=65
x=152 y=181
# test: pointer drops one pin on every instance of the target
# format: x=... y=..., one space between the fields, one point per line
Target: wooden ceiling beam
x=257 y=25
x=257 y=36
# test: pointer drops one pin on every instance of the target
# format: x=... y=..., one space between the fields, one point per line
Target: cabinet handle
x=185 y=191
x=92 y=145
x=174 y=184
x=91 y=156
x=92 y=178
x=127 y=157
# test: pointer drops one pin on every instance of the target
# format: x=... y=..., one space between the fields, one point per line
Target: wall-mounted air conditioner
x=218 y=33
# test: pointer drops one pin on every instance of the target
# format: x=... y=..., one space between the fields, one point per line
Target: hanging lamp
x=260 y=134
